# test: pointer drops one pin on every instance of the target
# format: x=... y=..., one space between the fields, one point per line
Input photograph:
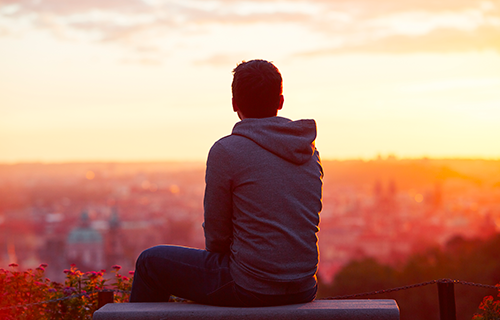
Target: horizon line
x=389 y=157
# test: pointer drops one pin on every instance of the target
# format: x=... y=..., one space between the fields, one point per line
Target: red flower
x=13 y=265
x=116 y=267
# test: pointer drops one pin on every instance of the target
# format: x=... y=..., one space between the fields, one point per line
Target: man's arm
x=218 y=203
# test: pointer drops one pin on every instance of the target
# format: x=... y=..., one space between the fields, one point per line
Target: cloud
x=367 y=9
x=443 y=40
x=224 y=60
x=227 y=18
x=404 y=27
x=395 y=26
x=64 y=8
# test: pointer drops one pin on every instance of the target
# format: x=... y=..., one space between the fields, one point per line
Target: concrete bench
x=319 y=309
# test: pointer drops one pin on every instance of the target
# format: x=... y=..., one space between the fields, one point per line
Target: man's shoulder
x=232 y=148
x=224 y=144
x=230 y=141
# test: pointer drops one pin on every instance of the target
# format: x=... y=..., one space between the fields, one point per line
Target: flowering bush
x=489 y=309
x=27 y=295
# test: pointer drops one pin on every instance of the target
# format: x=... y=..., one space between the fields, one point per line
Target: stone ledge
x=318 y=309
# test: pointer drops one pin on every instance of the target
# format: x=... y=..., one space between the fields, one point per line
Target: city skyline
x=149 y=80
x=385 y=209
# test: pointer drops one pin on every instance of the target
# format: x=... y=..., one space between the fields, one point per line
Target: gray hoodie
x=262 y=203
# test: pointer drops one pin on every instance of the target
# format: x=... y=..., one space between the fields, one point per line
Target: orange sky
x=119 y=80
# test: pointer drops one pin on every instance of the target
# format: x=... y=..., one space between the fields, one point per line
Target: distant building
x=85 y=246
x=114 y=246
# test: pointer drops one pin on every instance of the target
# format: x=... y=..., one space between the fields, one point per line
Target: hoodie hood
x=290 y=140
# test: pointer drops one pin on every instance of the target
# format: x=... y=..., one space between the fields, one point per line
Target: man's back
x=262 y=203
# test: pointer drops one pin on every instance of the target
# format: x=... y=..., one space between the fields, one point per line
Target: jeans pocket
x=248 y=298
x=224 y=296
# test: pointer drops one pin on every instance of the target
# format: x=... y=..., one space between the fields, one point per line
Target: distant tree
x=362 y=276
x=462 y=259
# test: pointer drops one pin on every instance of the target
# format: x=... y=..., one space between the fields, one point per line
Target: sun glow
x=90 y=175
x=151 y=80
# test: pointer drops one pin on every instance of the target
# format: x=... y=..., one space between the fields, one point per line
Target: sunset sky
x=149 y=80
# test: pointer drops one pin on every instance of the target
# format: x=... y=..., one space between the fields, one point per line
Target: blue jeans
x=200 y=276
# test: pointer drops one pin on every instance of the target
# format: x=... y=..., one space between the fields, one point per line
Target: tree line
x=471 y=260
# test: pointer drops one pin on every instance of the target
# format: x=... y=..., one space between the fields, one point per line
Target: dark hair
x=257 y=87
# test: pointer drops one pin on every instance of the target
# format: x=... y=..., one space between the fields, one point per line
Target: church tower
x=84 y=246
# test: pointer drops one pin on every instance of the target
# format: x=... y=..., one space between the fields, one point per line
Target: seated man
x=262 y=202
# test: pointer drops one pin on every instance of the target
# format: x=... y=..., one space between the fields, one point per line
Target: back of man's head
x=257 y=88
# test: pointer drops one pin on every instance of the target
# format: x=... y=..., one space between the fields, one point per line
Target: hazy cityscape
x=101 y=214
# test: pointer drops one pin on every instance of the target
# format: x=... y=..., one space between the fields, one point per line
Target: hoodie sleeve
x=218 y=201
